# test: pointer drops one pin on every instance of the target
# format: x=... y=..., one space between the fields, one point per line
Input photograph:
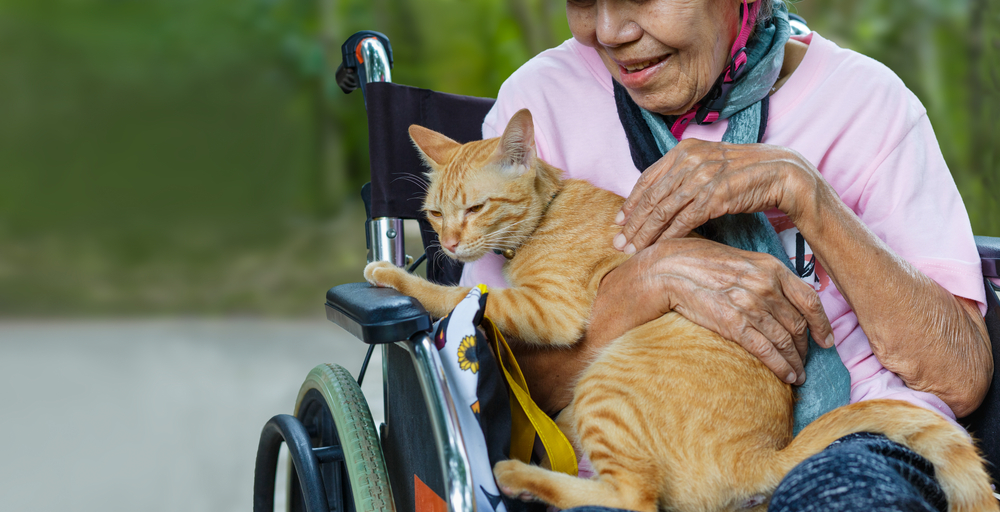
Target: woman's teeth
x=643 y=65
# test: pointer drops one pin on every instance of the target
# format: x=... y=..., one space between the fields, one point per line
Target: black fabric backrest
x=392 y=108
x=984 y=424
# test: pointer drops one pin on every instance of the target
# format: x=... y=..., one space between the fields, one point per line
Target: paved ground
x=151 y=416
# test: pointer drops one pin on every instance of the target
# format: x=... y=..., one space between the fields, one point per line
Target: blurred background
x=178 y=188
x=194 y=157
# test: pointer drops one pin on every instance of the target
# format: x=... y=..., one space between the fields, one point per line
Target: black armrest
x=989 y=253
x=375 y=315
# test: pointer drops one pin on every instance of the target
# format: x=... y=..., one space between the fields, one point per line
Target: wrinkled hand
x=699 y=180
x=747 y=297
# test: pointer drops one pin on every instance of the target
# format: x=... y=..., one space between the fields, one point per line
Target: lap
x=859 y=472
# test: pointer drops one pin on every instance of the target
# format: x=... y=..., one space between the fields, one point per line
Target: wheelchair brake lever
x=347 y=79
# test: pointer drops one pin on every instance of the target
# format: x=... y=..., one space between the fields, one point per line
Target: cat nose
x=451 y=245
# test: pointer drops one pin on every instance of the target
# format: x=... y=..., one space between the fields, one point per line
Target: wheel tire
x=335 y=412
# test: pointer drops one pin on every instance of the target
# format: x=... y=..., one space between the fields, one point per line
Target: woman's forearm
x=934 y=341
x=551 y=372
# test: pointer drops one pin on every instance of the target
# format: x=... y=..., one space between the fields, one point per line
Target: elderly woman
x=846 y=168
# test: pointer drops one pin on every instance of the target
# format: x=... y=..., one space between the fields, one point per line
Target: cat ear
x=432 y=146
x=517 y=144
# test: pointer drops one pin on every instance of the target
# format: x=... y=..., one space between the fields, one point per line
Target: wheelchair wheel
x=335 y=413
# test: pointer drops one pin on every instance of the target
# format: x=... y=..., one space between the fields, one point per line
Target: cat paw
x=523 y=496
x=509 y=475
x=383 y=274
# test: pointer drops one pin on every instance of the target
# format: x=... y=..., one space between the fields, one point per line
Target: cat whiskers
x=439 y=255
x=496 y=244
x=418 y=196
x=412 y=179
x=502 y=239
x=502 y=232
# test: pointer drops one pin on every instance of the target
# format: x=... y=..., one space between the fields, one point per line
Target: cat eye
x=434 y=213
x=475 y=209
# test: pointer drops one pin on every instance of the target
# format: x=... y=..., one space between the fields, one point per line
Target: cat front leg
x=438 y=300
x=535 y=316
x=539 y=315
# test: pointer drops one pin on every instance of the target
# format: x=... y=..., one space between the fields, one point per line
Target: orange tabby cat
x=671 y=415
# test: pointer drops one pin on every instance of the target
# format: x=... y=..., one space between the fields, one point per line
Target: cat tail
x=958 y=466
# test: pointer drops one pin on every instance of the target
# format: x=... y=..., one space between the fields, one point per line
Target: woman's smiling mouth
x=636 y=74
x=639 y=66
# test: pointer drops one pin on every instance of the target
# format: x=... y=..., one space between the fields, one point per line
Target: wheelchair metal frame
x=386 y=243
x=368 y=58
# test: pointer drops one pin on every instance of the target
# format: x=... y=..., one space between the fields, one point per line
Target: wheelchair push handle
x=367 y=57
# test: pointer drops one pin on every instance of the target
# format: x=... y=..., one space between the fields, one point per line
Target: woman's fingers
x=654 y=211
x=786 y=366
x=788 y=311
x=749 y=298
x=757 y=307
x=776 y=348
x=649 y=177
x=737 y=326
x=649 y=207
x=807 y=303
x=698 y=181
x=793 y=311
x=663 y=190
x=794 y=324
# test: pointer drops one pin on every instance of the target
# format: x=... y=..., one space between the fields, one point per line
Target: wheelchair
x=417 y=461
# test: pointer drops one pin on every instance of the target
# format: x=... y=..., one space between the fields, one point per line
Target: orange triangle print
x=426 y=500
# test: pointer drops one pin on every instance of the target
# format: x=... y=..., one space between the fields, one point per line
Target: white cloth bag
x=455 y=338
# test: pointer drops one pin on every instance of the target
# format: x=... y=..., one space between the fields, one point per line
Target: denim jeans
x=857 y=473
x=861 y=472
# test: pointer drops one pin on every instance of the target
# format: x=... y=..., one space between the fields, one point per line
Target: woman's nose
x=614 y=25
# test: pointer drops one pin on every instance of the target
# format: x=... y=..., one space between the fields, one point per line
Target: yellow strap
x=527 y=418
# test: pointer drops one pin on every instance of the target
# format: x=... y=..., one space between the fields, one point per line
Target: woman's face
x=666 y=53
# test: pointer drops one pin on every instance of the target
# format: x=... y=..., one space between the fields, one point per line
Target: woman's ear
x=432 y=146
x=516 y=150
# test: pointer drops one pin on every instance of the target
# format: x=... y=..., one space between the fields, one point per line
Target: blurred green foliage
x=196 y=157
x=948 y=53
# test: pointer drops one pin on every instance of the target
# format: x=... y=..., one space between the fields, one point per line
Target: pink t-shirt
x=850 y=116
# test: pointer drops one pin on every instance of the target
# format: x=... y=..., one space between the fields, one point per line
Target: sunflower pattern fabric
x=456 y=339
x=467 y=354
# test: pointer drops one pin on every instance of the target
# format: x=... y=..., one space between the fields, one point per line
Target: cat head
x=485 y=195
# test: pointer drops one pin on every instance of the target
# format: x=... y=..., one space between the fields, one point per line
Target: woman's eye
x=476 y=208
x=434 y=213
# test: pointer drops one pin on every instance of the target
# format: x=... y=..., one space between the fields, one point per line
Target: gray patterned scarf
x=745 y=106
